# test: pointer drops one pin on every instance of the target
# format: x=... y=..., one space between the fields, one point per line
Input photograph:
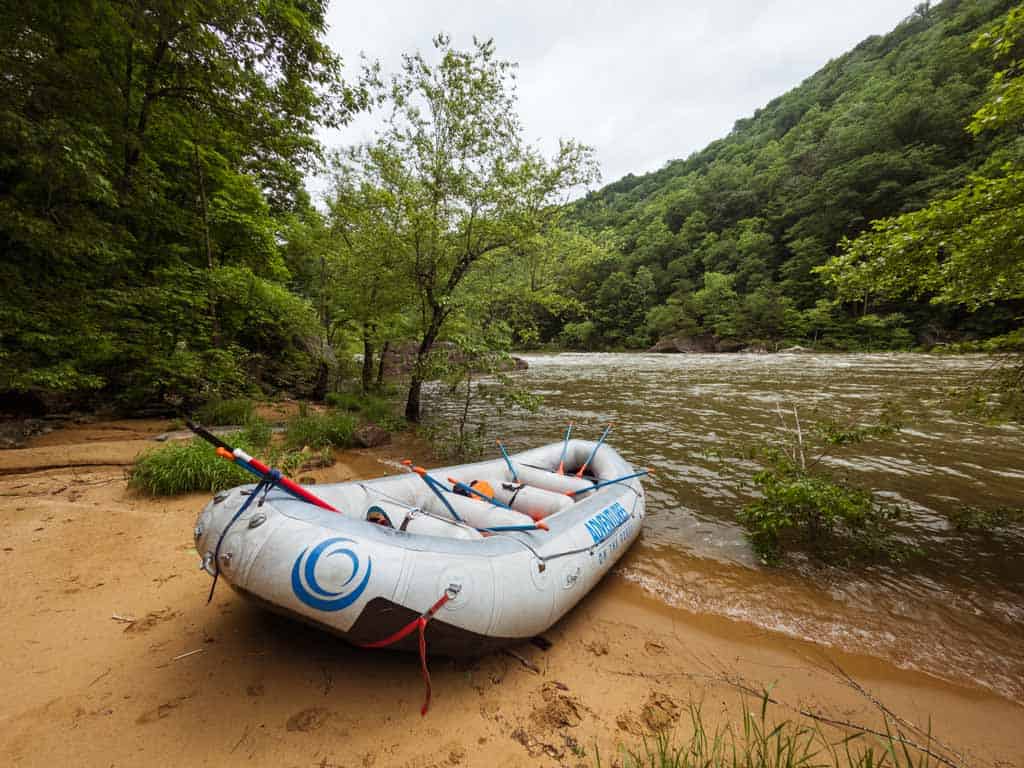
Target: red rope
x=420 y=623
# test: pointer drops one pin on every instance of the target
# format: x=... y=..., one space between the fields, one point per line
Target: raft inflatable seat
x=535 y=502
x=421 y=522
x=476 y=513
x=550 y=480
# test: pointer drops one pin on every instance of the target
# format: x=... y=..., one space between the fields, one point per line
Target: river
x=957 y=612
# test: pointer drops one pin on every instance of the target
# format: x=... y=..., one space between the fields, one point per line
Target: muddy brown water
x=956 y=612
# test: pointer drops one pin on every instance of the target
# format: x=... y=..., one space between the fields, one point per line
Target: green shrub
x=230 y=412
x=333 y=428
x=184 y=467
x=828 y=515
x=801 y=502
x=345 y=401
x=382 y=411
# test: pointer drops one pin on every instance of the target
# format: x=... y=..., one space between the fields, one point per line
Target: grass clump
x=226 y=412
x=345 y=401
x=185 y=467
x=371 y=408
x=320 y=430
x=760 y=742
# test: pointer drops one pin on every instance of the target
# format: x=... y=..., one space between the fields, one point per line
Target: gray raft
x=365 y=580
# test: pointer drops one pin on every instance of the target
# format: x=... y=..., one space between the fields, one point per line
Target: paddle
x=594 y=452
x=256 y=467
x=434 y=486
x=641 y=473
x=565 y=447
x=504 y=453
x=439 y=490
x=479 y=494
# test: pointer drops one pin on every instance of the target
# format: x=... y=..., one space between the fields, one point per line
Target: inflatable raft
x=411 y=548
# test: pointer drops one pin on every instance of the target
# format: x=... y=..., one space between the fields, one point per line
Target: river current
x=956 y=612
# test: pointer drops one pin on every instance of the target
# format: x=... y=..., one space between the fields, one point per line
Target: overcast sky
x=642 y=82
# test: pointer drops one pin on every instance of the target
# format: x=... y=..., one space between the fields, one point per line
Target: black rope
x=265 y=485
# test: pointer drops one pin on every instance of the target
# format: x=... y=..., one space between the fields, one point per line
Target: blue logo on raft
x=604 y=523
x=304 y=583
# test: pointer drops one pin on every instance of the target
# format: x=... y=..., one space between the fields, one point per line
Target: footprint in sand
x=162 y=710
x=307 y=720
x=149 y=621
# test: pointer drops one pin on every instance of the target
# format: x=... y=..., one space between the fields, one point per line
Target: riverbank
x=112 y=656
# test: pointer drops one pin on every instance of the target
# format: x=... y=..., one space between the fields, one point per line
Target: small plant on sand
x=184 y=467
x=801 y=501
x=476 y=379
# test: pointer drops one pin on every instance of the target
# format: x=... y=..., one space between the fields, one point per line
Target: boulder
x=682 y=344
x=796 y=349
x=370 y=436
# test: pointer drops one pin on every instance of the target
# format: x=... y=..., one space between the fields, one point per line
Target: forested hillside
x=725 y=243
x=158 y=247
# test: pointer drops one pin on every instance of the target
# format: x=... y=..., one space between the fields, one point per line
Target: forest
x=729 y=241
x=158 y=247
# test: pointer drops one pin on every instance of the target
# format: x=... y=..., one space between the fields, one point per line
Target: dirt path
x=112 y=657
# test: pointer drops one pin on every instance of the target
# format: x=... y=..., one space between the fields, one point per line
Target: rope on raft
x=419 y=623
x=271 y=479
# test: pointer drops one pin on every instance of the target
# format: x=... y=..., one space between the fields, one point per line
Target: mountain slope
x=877 y=131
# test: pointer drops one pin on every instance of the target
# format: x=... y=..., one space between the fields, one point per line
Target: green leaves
x=802 y=504
x=966 y=248
x=148 y=154
x=448 y=185
x=876 y=133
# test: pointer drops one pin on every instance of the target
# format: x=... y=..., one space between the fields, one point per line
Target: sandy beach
x=111 y=656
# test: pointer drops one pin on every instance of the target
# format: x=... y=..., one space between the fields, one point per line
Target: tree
x=967 y=248
x=149 y=153
x=717 y=304
x=464 y=184
x=367 y=285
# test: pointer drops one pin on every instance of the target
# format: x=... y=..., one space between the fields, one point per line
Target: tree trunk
x=380 y=365
x=211 y=295
x=367 y=381
x=412 y=404
x=322 y=380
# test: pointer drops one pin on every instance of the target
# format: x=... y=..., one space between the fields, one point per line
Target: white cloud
x=643 y=82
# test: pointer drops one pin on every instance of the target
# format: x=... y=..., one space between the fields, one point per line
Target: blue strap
x=264 y=485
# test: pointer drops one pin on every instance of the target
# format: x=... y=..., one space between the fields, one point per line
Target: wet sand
x=112 y=657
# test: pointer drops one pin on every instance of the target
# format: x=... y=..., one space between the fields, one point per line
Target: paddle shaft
x=622 y=479
x=565 y=448
x=258 y=468
x=593 y=453
x=479 y=494
x=504 y=453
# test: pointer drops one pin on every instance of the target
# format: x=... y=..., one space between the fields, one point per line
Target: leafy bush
x=801 y=502
x=968 y=518
x=219 y=412
x=194 y=465
x=829 y=515
x=333 y=428
x=346 y=401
